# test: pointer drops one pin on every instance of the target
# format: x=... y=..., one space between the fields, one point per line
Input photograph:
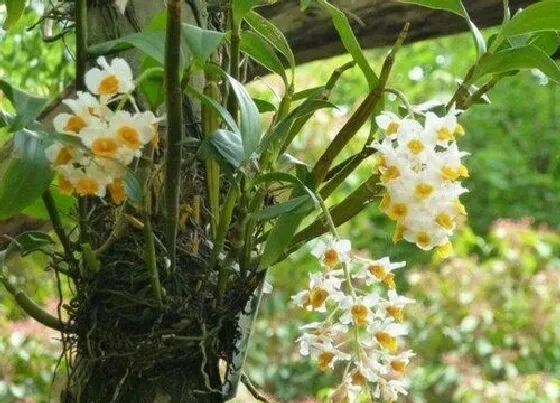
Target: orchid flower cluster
x=110 y=138
x=420 y=167
x=361 y=327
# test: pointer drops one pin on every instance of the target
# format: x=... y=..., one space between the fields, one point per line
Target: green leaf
x=29 y=242
x=150 y=43
x=241 y=7
x=542 y=16
x=272 y=34
x=224 y=146
x=25 y=175
x=453 y=6
x=64 y=204
x=215 y=105
x=274 y=211
x=152 y=86
x=308 y=93
x=202 y=42
x=284 y=230
x=528 y=57
x=349 y=41
x=249 y=120
x=14 y=10
x=27 y=106
x=262 y=52
x=133 y=188
x=264 y=106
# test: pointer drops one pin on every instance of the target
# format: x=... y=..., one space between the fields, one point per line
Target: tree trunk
x=127 y=348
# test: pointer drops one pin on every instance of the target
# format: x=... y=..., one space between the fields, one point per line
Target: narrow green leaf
x=538 y=17
x=14 y=10
x=284 y=230
x=152 y=87
x=276 y=210
x=27 y=106
x=202 y=42
x=349 y=41
x=453 y=6
x=249 y=121
x=262 y=52
x=25 y=175
x=133 y=188
x=528 y=57
x=29 y=242
x=149 y=43
x=224 y=146
x=308 y=93
x=272 y=34
x=241 y=7
x=215 y=105
x=264 y=106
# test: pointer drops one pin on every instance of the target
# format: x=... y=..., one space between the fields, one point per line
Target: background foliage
x=494 y=337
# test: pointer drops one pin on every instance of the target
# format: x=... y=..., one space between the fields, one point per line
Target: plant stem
x=151 y=257
x=57 y=224
x=234 y=61
x=210 y=123
x=174 y=106
x=223 y=227
x=359 y=117
x=31 y=308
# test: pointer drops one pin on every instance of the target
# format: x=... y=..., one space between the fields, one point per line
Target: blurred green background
x=486 y=323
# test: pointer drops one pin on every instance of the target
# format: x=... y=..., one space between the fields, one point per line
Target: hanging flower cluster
x=420 y=168
x=361 y=327
x=109 y=137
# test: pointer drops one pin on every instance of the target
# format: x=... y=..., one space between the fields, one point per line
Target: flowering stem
x=359 y=117
x=174 y=106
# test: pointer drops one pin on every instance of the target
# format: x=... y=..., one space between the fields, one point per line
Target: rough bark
x=375 y=22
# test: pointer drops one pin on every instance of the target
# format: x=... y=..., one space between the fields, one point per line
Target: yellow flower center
x=459 y=130
x=359 y=314
x=423 y=239
x=104 y=147
x=317 y=297
x=129 y=136
x=358 y=378
x=391 y=172
x=116 y=190
x=75 y=124
x=399 y=366
x=379 y=271
x=444 y=220
x=444 y=134
x=399 y=232
x=390 y=281
x=108 y=85
x=387 y=341
x=398 y=211
x=330 y=258
x=423 y=190
x=385 y=202
x=87 y=186
x=324 y=360
x=396 y=312
x=415 y=146
x=392 y=128
x=459 y=207
x=463 y=171
x=448 y=173
x=63 y=157
x=445 y=250
x=381 y=161
x=65 y=186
